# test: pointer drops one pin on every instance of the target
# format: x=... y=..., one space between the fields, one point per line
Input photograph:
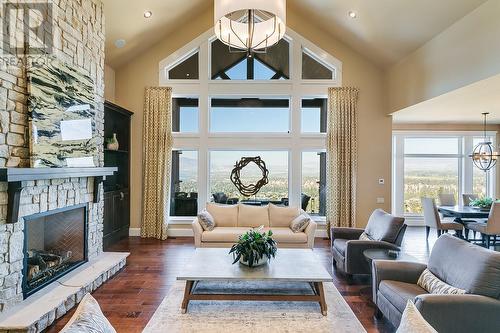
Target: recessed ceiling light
x=120 y=43
x=353 y=14
x=148 y=14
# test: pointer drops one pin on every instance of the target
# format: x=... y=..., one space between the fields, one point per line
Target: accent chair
x=433 y=220
x=456 y=262
x=384 y=231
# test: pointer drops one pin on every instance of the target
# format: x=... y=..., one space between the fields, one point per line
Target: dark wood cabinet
x=116 y=187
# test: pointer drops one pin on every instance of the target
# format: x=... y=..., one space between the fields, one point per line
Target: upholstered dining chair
x=467 y=198
x=447 y=199
x=490 y=229
x=433 y=220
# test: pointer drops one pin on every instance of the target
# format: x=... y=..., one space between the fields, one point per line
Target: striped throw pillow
x=88 y=318
x=364 y=237
x=434 y=285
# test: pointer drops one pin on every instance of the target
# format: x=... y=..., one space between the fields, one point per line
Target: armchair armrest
x=345 y=233
x=355 y=261
x=197 y=231
x=311 y=233
x=402 y=271
x=460 y=313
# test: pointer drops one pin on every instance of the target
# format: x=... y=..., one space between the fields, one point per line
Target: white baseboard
x=134 y=232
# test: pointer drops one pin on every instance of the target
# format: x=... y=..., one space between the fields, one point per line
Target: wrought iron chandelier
x=484 y=155
x=250 y=25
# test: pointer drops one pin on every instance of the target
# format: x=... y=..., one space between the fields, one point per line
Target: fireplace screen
x=55 y=243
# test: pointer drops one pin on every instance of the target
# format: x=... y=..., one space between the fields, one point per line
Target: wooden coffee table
x=290 y=265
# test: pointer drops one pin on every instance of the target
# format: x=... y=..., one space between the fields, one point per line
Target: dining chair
x=467 y=198
x=433 y=220
x=490 y=229
x=447 y=199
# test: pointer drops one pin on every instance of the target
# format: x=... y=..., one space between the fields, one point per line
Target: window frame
x=295 y=89
x=465 y=165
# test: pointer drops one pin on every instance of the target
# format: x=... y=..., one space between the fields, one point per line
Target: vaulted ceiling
x=384 y=30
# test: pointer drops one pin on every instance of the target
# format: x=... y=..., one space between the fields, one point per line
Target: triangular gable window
x=187 y=69
x=313 y=69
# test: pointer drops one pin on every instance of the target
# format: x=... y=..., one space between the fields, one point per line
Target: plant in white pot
x=254 y=248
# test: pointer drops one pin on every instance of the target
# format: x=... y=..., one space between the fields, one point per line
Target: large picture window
x=313 y=196
x=223 y=190
x=427 y=164
x=249 y=115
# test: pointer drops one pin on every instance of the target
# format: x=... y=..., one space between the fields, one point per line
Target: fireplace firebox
x=55 y=242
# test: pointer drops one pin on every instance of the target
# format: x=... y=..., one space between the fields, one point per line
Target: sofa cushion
x=399 y=293
x=282 y=216
x=223 y=234
x=224 y=215
x=383 y=226
x=413 y=322
x=253 y=216
x=434 y=285
x=286 y=235
x=300 y=223
x=466 y=266
x=340 y=245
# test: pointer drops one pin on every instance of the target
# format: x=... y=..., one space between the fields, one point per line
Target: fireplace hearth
x=55 y=243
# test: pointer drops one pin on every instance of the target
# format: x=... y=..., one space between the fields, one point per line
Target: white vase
x=260 y=262
x=113 y=143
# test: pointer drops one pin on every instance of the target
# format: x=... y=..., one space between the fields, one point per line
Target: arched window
x=227 y=105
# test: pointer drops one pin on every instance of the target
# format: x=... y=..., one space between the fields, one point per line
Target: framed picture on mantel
x=62 y=110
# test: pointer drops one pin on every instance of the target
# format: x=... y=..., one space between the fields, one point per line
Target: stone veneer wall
x=78 y=39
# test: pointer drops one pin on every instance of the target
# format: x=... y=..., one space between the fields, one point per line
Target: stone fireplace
x=55 y=243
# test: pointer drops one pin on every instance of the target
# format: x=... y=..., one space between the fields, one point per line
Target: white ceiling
x=461 y=106
x=385 y=30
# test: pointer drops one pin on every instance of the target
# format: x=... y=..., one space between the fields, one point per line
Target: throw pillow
x=364 y=236
x=434 y=285
x=413 y=322
x=206 y=220
x=88 y=318
x=300 y=223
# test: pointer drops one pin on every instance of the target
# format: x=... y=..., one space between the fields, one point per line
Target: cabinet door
x=109 y=218
x=121 y=208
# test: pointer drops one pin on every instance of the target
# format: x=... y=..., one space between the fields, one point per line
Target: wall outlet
x=381 y=181
x=380 y=200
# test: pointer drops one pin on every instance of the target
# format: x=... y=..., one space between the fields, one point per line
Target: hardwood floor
x=132 y=296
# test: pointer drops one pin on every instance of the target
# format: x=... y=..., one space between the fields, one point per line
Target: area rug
x=238 y=316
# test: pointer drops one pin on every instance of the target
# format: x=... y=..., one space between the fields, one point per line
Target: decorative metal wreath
x=251 y=189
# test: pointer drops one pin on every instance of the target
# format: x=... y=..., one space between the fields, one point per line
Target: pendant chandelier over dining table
x=484 y=155
x=250 y=25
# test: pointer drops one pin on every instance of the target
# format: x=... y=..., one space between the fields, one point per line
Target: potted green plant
x=482 y=203
x=254 y=248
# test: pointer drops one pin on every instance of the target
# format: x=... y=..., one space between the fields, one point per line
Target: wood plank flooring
x=132 y=296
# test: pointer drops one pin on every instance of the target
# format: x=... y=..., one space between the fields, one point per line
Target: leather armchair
x=456 y=262
x=385 y=232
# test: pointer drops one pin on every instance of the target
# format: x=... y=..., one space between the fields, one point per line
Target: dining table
x=461 y=213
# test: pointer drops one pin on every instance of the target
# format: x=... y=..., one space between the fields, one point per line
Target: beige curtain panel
x=341 y=154
x=157 y=160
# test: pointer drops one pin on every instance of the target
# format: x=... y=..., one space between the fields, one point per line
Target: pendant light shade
x=484 y=155
x=250 y=25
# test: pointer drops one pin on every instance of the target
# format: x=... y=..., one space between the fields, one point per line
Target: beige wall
x=374 y=125
x=466 y=52
x=109 y=83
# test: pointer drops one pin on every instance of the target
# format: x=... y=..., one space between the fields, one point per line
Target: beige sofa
x=231 y=221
